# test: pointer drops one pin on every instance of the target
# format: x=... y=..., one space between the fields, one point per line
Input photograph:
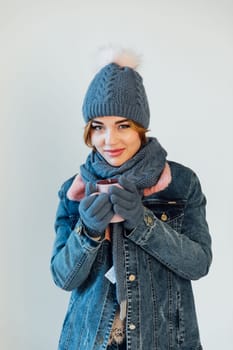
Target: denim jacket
x=167 y=250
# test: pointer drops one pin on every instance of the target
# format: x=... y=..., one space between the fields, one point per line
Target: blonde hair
x=135 y=126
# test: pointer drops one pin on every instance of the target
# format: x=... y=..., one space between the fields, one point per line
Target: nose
x=110 y=137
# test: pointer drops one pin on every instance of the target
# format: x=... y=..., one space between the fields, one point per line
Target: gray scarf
x=144 y=170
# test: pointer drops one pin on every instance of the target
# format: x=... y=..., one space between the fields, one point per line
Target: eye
x=96 y=127
x=124 y=126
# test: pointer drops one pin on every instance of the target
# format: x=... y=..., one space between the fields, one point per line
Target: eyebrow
x=117 y=122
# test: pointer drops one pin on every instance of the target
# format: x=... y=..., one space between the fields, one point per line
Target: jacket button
x=132 y=278
x=149 y=220
x=100 y=340
x=164 y=217
x=78 y=229
x=132 y=327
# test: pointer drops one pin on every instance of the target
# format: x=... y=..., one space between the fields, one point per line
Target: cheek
x=136 y=147
x=94 y=140
x=135 y=142
x=97 y=142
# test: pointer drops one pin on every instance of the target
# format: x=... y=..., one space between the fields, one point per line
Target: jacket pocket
x=167 y=211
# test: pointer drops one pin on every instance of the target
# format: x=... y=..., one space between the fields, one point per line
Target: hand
x=127 y=203
x=96 y=210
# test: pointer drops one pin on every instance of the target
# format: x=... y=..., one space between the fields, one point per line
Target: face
x=114 y=139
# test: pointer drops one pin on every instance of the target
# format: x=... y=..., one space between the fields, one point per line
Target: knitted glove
x=95 y=210
x=127 y=203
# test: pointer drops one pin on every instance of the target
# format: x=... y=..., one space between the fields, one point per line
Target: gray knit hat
x=117 y=90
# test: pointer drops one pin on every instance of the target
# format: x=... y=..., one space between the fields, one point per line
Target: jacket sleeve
x=74 y=252
x=188 y=253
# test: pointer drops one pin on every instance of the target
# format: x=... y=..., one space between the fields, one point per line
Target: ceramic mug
x=103 y=187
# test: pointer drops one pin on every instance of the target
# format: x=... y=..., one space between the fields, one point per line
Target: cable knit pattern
x=143 y=169
x=76 y=191
x=117 y=91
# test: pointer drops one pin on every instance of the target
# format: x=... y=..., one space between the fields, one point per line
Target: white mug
x=103 y=187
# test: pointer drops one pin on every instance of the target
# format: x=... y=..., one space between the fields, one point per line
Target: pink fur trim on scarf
x=163 y=182
x=76 y=191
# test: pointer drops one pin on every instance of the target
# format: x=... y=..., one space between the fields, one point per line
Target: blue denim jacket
x=171 y=247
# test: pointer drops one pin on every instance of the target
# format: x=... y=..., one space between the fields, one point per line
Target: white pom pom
x=120 y=56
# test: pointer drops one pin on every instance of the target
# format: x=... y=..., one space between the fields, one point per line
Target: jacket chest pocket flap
x=167 y=211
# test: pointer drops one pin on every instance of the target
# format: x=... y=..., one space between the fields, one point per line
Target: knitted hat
x=117 y=90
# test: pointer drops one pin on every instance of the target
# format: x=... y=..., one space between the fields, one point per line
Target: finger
x=108 y=215
x=127 y=214
x=90 y=188
x=124 y=213
x=125 y=203
x=101 y=203
x=87 y=201
x=121 y=193
x=126 y=184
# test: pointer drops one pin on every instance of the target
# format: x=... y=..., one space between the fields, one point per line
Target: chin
x=115 y=162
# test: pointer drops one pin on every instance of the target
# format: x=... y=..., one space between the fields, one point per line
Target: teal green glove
x=127 y=203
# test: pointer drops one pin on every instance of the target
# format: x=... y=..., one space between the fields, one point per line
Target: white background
x=47 y=51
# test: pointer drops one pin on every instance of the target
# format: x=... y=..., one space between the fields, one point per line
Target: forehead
x=109 y=120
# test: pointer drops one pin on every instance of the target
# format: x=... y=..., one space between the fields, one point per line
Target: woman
x=130 y=279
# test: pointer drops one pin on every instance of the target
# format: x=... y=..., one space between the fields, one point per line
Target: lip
x=114 y=152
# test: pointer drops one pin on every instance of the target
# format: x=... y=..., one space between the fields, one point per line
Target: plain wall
x=47 y=55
